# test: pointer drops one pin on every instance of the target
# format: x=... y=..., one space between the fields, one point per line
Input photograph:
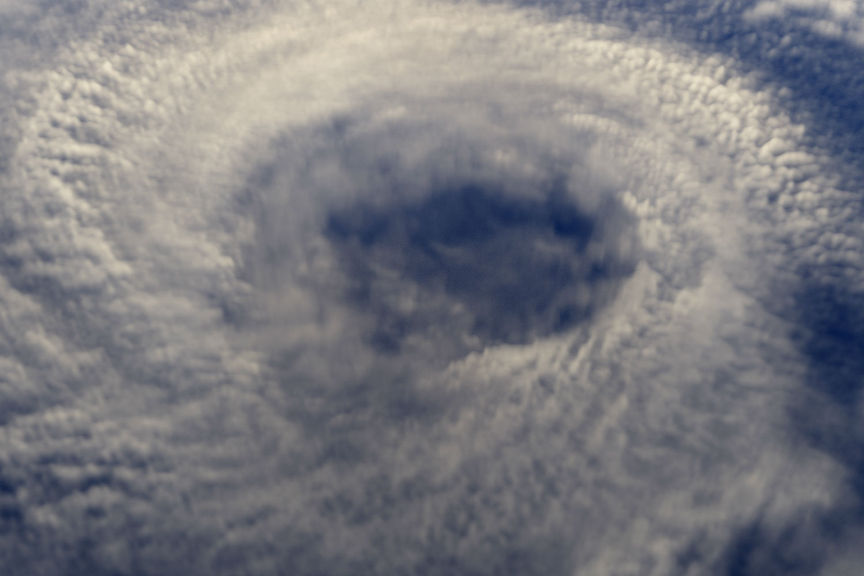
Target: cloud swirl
x=423 y=288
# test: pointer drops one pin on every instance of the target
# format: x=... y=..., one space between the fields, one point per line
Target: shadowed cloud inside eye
x=472 y=262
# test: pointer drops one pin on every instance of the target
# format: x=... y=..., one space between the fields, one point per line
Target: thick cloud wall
x=429 y=288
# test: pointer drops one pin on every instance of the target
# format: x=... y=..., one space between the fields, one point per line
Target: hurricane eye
x=476 y=262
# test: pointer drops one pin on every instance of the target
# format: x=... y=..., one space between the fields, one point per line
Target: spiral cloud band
x=409 y=287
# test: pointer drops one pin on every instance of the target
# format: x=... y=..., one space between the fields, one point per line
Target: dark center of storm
x=475 y=266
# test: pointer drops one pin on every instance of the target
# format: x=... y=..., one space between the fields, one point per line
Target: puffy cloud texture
x=423 y=288
x=837 y=19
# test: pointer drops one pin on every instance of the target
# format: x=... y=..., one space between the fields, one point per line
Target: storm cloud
x=430 y=288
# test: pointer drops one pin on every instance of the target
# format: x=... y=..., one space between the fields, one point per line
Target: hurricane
x=431 y=287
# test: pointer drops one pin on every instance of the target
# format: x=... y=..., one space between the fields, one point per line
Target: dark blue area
x=800 y=547
x=516 y=264
x=464 y=215
x=832 y=337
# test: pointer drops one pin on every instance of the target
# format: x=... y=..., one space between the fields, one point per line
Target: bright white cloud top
x=842 y=19
x=415 y=288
